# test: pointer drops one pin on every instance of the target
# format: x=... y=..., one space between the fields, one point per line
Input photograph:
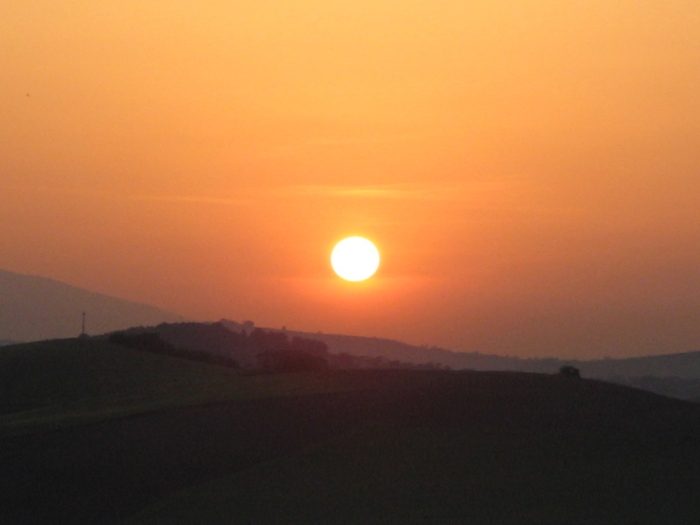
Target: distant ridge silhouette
x=34 y=308
x=682 y=365
x=674 y=375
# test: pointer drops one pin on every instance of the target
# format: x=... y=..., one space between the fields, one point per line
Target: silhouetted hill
x=210 y=338
x=6 y=342
x=255 y=350
x=396 y=350
x=35 y=308
x=683 y=365
x=353 y=447
x=252 y=348
x=674 y=375
x=460 y=447
x=51 y=384
x=678 y=387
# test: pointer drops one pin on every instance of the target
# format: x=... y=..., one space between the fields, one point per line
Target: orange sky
x=530 y=170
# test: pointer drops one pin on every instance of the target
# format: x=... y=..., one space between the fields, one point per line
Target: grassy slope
x=408 y=475
x=59 y=383
x=379 y=447
x=475 y=448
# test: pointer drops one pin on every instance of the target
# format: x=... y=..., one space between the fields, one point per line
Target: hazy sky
x=529 y=169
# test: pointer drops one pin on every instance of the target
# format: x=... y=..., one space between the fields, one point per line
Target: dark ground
x=552 y=449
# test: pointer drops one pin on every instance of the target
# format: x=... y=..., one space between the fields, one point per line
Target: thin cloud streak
x=481 y=195
x=478 y=194
x=390 y=191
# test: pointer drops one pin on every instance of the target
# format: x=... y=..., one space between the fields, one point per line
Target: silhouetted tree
x=569 y=371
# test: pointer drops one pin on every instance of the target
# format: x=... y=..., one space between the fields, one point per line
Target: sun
x=355 y=259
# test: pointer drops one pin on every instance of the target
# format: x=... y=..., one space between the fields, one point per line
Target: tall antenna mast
x=82 y=334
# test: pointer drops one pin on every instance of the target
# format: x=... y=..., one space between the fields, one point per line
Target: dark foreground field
x=380 y=447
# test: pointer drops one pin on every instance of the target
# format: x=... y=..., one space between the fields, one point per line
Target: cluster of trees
x=349 y=362
x=215 y=344
x=569 y=371
x=252 y=349
x=277 y=353
x=152 y=342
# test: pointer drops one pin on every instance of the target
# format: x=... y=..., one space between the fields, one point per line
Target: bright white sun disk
x=355 y=259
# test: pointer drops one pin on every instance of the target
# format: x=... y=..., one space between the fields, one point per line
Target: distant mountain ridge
x=673 y=375
x=35 y=308
x=254 y=350
x=676 y=375
x=683 y=365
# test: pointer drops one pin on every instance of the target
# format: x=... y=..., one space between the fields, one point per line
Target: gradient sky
x=529 y=169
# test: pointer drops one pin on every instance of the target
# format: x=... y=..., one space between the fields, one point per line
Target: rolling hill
x=680 y=365
x=652 y=373
x=98 y=434
x=35 y=308
x=675 y=375
x=49 y=385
